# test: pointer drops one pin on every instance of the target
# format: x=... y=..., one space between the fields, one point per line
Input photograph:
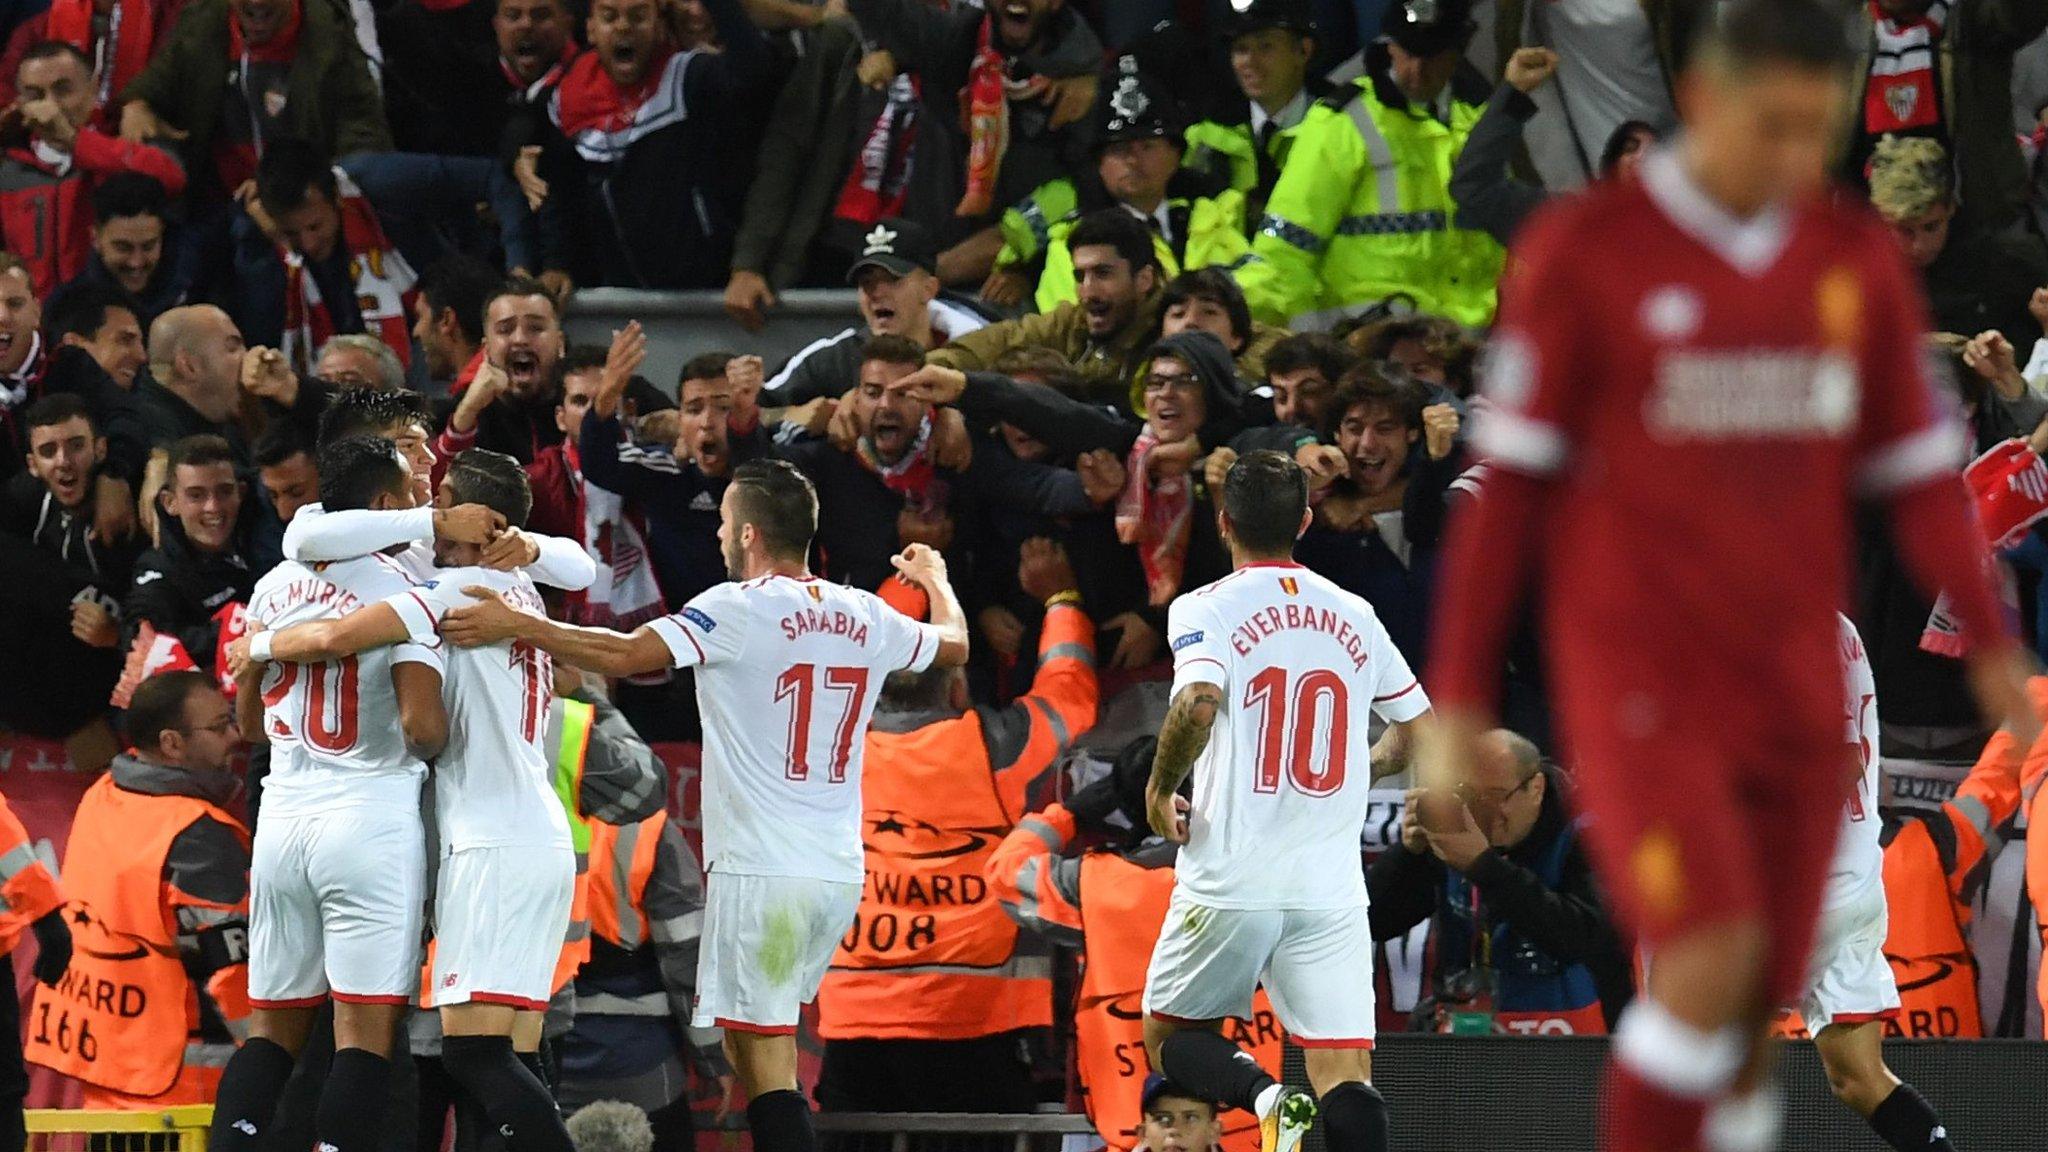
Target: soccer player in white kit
x=1276 y=674
x=337 y=873
x=506 y=866
x=1850 y=991
x=788 y=669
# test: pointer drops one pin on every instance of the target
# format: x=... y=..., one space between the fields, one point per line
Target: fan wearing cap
x=1270 y=43
x=1363 y=214
x=1110 y=901
x=1194 y=222
x=896 y=276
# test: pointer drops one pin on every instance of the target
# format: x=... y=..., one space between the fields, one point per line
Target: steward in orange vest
x=157 y=871
x=633 y=996
x=928 y=996
x=1112 y=903
x=32 y=902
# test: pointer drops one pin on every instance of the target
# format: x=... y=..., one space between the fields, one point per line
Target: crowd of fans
x=1099 y=251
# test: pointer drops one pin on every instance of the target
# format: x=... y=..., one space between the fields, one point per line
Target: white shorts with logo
x=334 y=907
x=1316 y=964
x=767 y=942
x=1849 y=981
x=499 y=917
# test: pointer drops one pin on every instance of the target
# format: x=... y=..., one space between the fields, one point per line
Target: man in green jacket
x=232 y=74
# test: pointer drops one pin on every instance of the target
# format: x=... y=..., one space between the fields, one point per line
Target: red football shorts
x=1702 y=813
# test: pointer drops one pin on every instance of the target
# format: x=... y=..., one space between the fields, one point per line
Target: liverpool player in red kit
x=1696 y=375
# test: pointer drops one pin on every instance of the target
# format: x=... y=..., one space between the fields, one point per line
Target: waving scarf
x=1903 y=94
x=1155 y=517
x=985 y=114
x=878 y=184
x=2009 y=486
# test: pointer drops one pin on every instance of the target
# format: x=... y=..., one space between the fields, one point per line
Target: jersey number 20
x=330 y=688
x=798 y=686
x=1288 y=721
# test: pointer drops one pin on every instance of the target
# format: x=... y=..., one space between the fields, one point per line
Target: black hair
x=707 y=366
x=356 y=470
x=371 y=412
x=52 y=49
x=494 y=480
x=779 y=502
x=198 y=451
x=289 y=171
x=56 y=408
x=82 y=311
x=928 y=691
x=1617 y=141
x=1118 y=229
x=1314 y=350
x=1215 y=286
x=158 y=706
x=1372 y=384
x=1265 y=494
x=584 y=358
x=893 y=350
x=1805 y=33
x=460 y=283
x=280 y=442
x=521 y=287
x=127 y=194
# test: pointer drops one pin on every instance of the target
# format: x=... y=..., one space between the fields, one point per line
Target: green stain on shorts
x=781 y=944
x=1195 y=921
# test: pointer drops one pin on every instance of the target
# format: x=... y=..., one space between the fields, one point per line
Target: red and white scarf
x=119 y=56
x=2009 y=486
x=547 y=80
x=625 y=594
x=604 y=120
x=915 y=477
x=382 y=279
x=1903 y=92
x=985 y=116
x=1155 y=517
x=878 y=184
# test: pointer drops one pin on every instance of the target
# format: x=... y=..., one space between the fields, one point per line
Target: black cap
x=1157 y=1086
x=898 y=247
x=1135 y=107
x=1428 y=27
x=1249 y=16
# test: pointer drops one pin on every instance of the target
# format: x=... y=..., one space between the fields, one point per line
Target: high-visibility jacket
x=569 y=725
x=1113 y=905
x=1363 y=213
x=1211 y=232
x=1227 y=147
x=931 y=955
x=125 y=1017
x=29 y=890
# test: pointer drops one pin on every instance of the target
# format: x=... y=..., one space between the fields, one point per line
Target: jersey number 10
x=798 y=687
x=1287 y=742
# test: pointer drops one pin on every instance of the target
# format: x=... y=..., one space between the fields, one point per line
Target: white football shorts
x=1316 y=964
x=334 y=907
x=499 y=917
x=767 y=942
x=1849 y=981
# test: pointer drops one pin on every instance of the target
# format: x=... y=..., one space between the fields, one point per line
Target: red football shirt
x=1685 y=407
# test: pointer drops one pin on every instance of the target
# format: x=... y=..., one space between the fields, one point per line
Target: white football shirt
x=1859 y=856
x=335 y=741
x=493 y=783
x=1282 y=788
x=787 y=675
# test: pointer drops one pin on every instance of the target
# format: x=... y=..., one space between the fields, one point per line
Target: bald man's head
x=196 y=352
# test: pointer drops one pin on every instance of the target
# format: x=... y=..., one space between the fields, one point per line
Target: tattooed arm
x=1181 y=739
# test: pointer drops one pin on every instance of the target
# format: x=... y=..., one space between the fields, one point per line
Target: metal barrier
x=947 y=1131
x=179 y=1129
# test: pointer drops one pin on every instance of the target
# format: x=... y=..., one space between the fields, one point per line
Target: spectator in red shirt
x=117 y=35
x=48 y=174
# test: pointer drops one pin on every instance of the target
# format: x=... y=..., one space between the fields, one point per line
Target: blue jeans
x=426 y=203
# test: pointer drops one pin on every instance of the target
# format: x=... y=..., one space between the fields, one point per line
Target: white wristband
x=259 y=646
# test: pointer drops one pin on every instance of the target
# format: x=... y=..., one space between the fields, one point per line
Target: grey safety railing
x=947 y=1131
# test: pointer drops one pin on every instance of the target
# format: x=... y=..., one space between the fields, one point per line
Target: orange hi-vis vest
x=27 y=887
x=1930 y=958
x=120 y=1017
x=621 y=863
x=1123 y=907
x=931 y=954
x=570 y=728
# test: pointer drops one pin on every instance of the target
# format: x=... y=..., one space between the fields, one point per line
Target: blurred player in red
x=1696 y=374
